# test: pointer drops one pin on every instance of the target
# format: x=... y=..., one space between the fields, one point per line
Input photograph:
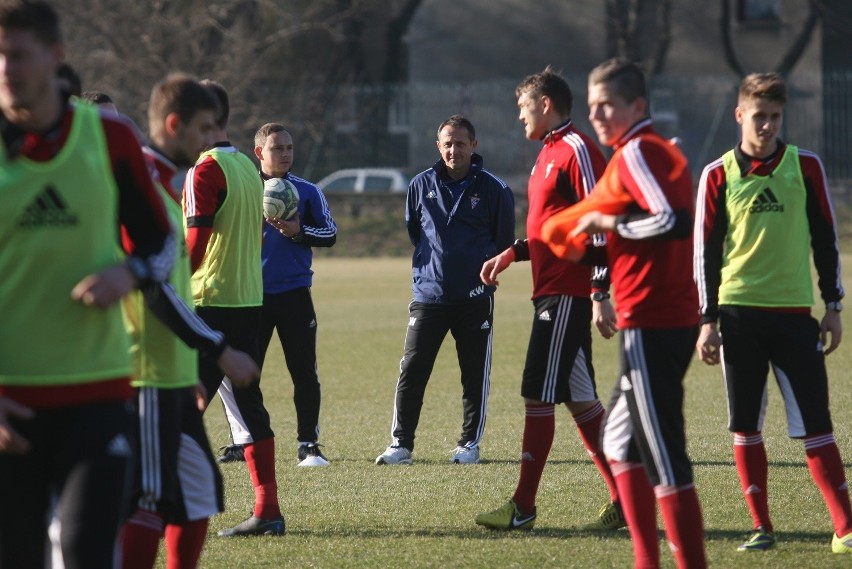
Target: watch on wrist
x=836 y=306
x=599 y=296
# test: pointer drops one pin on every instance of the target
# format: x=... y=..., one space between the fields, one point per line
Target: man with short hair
x=762 y=208
x=287 y=276
x=70 y=177
x=458 y=214
x=178 y=485
x=644 y=203
x=567 y=296
x=223 y=207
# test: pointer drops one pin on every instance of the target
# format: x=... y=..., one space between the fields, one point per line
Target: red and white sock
x=140 y=539
x=184 y=543
x=640 y=510
x=539 y=427
x=753 y=470
x=589 y=425
x=826 y=469
x=684 y=525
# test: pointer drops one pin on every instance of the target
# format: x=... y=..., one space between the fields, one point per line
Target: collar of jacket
x=757 y=166
x=644 y=126
x=475 y=166
x=264 y=177
x=557 y=132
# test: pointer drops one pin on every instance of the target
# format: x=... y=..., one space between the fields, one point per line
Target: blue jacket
x=286 y=263
x=453 y=238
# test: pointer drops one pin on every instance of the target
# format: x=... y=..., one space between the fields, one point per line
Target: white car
x=365 y=181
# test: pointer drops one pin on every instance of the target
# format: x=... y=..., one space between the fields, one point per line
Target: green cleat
x=758 y=540
x=506 y=517
x=610 y=518
x=841 y=544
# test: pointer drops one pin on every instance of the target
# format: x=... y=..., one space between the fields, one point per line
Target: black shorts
x=82 y=456
x=752 y=340
x=559 y=358
x=176 y=474
x=645 y=417
x=240 y=326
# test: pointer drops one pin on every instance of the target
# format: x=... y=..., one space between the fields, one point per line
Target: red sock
x=140 y=540
x=640 y=510
x=684 y=526
x=589 y=424
x=826 y=469
x=184 y=543
x=260 y=460
x=539 y=426
x=753 y=470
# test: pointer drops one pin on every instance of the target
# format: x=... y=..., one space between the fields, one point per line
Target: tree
x=639 y=30
x=788 y=60
x=280 y=61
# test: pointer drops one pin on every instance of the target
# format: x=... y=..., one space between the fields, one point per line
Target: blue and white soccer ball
x=280 y=198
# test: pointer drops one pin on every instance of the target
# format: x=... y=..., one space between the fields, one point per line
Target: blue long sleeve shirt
x=287 y=264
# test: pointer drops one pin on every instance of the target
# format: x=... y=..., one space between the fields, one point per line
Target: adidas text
x=766 y=208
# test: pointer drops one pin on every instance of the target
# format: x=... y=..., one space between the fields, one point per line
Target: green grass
x=356 y=514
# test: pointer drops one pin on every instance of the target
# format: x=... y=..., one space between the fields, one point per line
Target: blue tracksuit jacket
x=452 y=238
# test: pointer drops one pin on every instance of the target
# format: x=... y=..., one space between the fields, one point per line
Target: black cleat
x=255 y=526
x=311 y=455
x=232 y=453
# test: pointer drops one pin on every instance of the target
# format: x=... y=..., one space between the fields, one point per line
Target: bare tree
x=279 y=61
x=639 y=30
x=791 y=56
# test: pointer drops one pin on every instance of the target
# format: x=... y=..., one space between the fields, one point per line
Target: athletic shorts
x=645 y=416
x=752 y=340
x=559 y=358
x=176 y=474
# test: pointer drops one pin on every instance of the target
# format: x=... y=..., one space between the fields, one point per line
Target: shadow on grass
x=573 y=462
x=539 y=533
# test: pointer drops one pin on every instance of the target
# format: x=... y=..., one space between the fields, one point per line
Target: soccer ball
x=280 y=198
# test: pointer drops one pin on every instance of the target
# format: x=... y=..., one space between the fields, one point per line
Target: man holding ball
x=287 y=305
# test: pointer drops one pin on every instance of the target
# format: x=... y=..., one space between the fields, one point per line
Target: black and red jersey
x=566 y=169
x=712 y=227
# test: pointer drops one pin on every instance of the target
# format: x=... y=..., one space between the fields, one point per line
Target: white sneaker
x=394 y=455
x=465 y=455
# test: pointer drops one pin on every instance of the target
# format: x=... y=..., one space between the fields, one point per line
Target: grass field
x=357 y=514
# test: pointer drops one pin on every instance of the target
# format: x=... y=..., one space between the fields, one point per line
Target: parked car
x=365 y=181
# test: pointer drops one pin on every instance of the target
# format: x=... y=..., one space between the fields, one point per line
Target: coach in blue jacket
x=458 y=215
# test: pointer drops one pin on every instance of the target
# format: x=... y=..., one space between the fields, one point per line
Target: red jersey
x=647 y=184
x=566 y=169
x=650 y=251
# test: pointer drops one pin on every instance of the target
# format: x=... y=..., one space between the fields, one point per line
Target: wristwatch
x=836 y=306
x=599 y=296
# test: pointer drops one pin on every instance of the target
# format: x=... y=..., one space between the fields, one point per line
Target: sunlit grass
x=357 y=514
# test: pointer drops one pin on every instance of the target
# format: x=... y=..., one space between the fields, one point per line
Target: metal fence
x=697 y=109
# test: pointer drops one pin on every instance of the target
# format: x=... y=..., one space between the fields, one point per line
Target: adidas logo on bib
x=766 y=202
x=48 y=209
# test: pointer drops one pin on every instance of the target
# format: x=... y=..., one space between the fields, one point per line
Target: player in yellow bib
x=762 y=208
x=68 y=177
x=223 y=205
x=178 y=484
